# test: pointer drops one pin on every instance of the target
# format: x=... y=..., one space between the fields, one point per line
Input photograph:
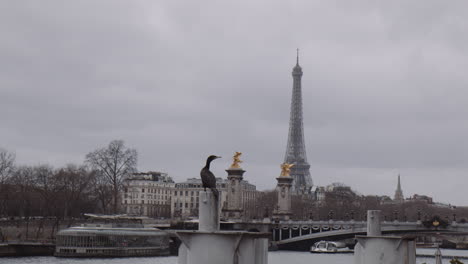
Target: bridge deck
x=293 y=232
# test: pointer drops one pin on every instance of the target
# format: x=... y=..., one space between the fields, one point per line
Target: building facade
x=186 y=198
x=148 y=194
x=156 y=195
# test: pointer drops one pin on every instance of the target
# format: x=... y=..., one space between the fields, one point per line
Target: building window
x=143 y=190
x=142 y=201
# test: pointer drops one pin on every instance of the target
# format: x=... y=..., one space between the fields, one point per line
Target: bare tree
x=113 y=164
x=102 y=192
x=46 y=184
x=7 y=160
x=77 y=184
x=24 y=199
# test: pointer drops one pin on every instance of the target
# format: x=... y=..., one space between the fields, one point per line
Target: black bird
x=208 y=178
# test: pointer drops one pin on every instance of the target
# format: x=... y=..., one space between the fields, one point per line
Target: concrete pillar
x=208 y=212
x=438 y=256
x=261 y=251
x=374 y=248
x=238 y=247
x=373 y=223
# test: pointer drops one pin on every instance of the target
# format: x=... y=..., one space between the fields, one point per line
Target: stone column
x=283 y=189
x=209 y=245
x=375 y=248
x=208 y=212
x=235 y=205
x=373 y=223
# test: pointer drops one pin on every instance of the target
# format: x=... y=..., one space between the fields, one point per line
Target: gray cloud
x=383 y=85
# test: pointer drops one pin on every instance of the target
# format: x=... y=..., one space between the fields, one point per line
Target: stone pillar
x=283 y=189
x=235 y=205
x=438 y=256
x=208 y=212
x=373 y=223
x=375 y=248
x=209 y=245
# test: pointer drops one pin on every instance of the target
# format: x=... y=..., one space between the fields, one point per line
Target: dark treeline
x=45 y=191
x=66 y=192
x=347 y=206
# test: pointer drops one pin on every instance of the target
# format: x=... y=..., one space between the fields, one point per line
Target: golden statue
x=286 y=169
x=236 y=160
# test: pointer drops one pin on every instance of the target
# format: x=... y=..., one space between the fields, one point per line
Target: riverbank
x=278 y=257
x=24 y=249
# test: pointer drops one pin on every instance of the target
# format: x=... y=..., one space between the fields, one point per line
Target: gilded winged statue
x=286 y=169
x=236 y=160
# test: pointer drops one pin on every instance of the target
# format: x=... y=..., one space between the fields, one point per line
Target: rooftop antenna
x=297 y=56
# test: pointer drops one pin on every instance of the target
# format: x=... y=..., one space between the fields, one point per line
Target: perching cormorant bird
x=208 y=178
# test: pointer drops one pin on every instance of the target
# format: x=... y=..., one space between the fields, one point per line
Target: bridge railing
x=290 y=229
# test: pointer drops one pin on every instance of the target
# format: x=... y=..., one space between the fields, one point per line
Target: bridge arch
x=295 y=236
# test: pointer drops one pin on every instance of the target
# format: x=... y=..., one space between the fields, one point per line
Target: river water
x=278 y=257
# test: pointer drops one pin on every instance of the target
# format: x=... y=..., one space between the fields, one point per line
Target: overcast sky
x=384 y=87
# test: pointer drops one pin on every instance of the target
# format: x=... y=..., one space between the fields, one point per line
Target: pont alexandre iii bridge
x=300 y=235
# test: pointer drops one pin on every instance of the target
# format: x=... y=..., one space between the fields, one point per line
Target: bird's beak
x=218 y=157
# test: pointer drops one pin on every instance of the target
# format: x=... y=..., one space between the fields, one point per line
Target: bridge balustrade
x=288 y=232
x=292 y=229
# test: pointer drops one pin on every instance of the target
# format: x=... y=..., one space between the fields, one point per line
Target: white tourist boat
x=330 y=247
x=117 y=236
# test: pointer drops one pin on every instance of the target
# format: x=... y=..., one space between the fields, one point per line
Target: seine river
x=278 y=257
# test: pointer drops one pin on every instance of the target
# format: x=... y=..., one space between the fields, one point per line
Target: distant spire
x=399 y=193
x=297 y=69
x=297 y=56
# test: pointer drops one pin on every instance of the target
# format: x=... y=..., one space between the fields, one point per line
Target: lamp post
x=330 y=215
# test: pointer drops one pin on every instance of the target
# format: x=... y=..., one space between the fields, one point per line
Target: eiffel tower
x=295 y=150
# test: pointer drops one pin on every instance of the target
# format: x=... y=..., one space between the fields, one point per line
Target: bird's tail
x=215 y=193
